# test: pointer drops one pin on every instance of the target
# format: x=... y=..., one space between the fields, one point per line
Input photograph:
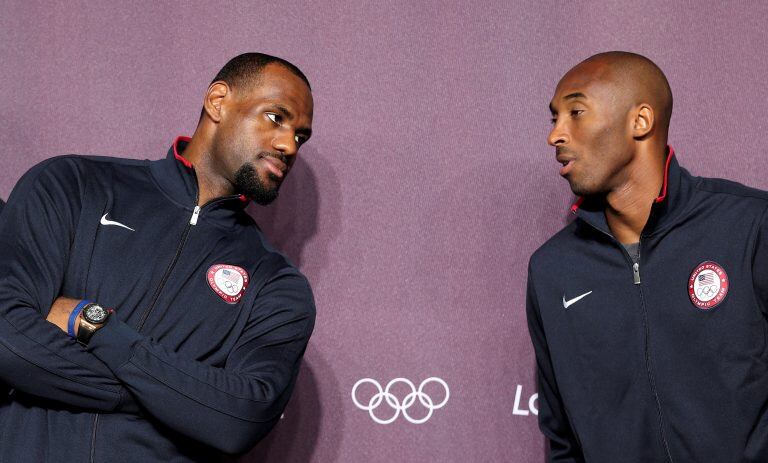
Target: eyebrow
x=283 y=110
x=570 y=96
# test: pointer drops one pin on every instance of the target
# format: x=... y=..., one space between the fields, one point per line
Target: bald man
x=648 y=311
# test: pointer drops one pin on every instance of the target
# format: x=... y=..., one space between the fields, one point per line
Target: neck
x=210 y=186
x=629 y=204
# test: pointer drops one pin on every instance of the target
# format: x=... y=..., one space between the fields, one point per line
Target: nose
x=558 y=136
x=285 y=142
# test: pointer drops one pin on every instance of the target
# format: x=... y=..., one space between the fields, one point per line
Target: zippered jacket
x=210 y=323
x=665 y=360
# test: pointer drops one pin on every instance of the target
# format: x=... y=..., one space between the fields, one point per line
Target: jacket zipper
x=192 y=222
x=648 y=363
x=92 y=457
x=648 y=369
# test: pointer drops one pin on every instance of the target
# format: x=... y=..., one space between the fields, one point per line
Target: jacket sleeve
x=563 y=445
x=760 y=264
x=228 y=408
x=3 y=388
x=36 y=357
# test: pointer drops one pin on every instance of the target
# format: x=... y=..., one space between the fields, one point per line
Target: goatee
x=249 y=183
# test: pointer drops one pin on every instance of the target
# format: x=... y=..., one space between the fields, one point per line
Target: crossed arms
x=228 y=408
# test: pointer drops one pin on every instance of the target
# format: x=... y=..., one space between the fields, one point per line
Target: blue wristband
x=73 y=317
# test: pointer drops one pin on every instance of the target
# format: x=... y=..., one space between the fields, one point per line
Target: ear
x=644 y=121
x=214 y=98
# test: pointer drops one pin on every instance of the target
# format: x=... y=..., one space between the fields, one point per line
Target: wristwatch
x=93 y=317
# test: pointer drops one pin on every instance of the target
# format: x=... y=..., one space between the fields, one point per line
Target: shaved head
x=610 y=116
x=636 y=80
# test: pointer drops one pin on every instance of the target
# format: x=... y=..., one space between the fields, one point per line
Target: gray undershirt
x=634 y=251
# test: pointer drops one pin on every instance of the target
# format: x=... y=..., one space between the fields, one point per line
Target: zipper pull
x=193 y=220
x=636 y=272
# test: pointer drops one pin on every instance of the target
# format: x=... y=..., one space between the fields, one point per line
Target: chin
x=586 y=185
x=580 y=189
x=248 y=182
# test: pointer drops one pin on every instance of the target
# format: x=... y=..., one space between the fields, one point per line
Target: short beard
x=249 y=184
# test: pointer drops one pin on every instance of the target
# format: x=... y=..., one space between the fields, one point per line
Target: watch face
x=95 y=314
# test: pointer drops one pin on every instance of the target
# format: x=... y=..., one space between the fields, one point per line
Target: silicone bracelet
x=73 y=317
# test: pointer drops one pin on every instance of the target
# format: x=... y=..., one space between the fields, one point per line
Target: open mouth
x=567 y=166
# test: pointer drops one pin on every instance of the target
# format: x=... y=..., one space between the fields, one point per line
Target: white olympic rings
x=385 y=395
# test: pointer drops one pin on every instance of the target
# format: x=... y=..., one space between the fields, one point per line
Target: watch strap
x=73 y=316
x=86 y=329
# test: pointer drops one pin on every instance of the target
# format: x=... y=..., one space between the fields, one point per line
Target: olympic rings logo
x=385 y=395
x=708 y=290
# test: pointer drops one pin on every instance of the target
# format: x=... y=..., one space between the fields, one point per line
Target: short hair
x=245 y=69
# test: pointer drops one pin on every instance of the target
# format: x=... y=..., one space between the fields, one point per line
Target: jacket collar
x=176 y=177
x=675 y=192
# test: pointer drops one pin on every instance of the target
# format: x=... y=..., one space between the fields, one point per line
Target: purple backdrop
x=414 y=208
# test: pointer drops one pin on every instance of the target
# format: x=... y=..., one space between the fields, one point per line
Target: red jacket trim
x=176 y=154
x=660 y=198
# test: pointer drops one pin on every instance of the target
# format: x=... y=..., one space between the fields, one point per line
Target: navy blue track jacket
x=179 y=373
x=634 y=365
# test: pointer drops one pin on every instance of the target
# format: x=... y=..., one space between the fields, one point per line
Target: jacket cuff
x=114 y=343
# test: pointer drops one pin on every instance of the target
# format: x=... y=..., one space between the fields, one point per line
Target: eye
x=553 y=120
x=276 y=118
x=576 y=112
x=300 y=140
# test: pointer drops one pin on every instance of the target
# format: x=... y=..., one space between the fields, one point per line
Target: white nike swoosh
x=104 y=221
x=576 y=299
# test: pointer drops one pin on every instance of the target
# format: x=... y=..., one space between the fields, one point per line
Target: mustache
x=561 y=150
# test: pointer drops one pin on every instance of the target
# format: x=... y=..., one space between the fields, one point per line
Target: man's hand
x=60 y=310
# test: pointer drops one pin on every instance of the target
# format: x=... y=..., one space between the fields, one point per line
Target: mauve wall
x=428 y=184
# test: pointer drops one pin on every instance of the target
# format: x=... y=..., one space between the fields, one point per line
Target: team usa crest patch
x=228 y=281
x=708 y=285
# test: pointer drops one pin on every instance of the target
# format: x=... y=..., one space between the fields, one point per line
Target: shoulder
x=74 y=166
x=553 y=249
x=731 y=200
x=104 y=164
x=719 y=186
x=283 y=290
x=275 y=274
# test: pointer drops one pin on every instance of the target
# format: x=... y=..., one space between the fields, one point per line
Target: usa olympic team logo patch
x=228 y=281
x=708 y=285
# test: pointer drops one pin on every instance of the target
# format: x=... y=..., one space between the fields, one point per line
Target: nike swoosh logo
x=105 y=221
x=576 y=299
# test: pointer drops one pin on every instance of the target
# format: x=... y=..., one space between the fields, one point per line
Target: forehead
x=593 y=80
x=279 y=86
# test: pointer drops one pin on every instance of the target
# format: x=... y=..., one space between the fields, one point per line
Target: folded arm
x=228 y=408
x=36 y=231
